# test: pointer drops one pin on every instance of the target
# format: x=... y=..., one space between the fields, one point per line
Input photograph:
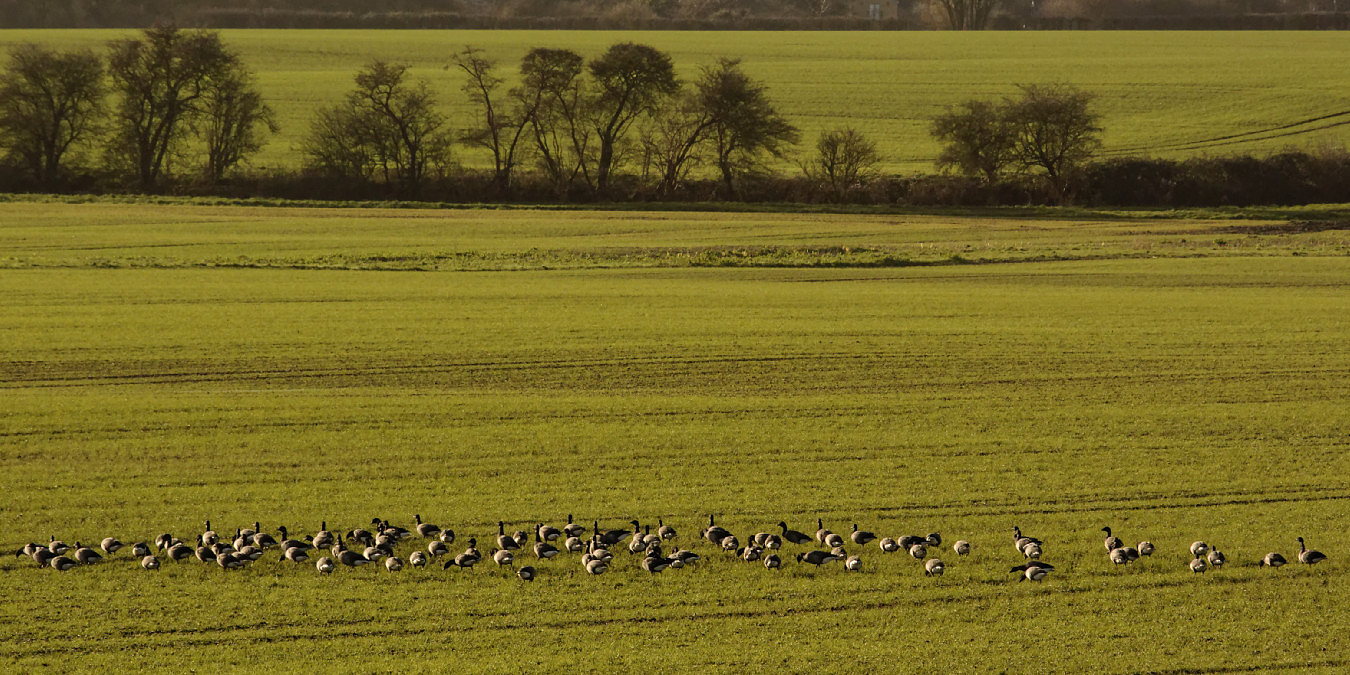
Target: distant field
x=1178 y=379
x=1170 y=94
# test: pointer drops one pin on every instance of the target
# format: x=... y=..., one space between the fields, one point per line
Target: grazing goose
x=525 y=573
x=888 y=545
x=1273 y=560
x=609 y=537
x=1146 y=548
x=149 y=562
x=361 y=536
x=57 y=547
x=821 y=532
x=911 y=539
x=447 y=535
x=179 y=552
x=110 y=545
x=163 y=541
x=1308 y=557
x=918 y=551
x=861 y=537
x=1112 y=542
x=140 y=549
x=572 y=529
x=426 y=530
x=286 y=541
x=472 y=550
x=664 y=531
x=295 y=555
x=520 y=538
x=262 y=539
x=229 y=561
x=759 y=538
x=250 y=553
x=839 y=552
x=1199 y=548
x=1216 y=558
x=833 y=540
x=61 y=563
x=596 y=566
x=1020 y=542
x=548 y=532
x=323 y=538
x=26 y=550
x=325 y=565
x=1119 y=557
x=437 y=548
x=204 y=553
x=1198 y=565
x=773 y=542
x=934 y=540
x=793 y=536
x=43 y=556
x=352 y=559
x=85 y=555
x=1131 y=553
x=686 y=557
x=636 y=543
x=654 y=562
x=648 y=538
x=961 y=547
x=246 y=533
x=393 y=563
x=418 y=559
x=729 y=543
x=1031 y=551
x=750 y=553
x=853 y=564
x=240 y=541
x=374 y=553
x=933 y=568
x=773 y=562
x=574 y=545
x=542 y=549
x=713 y=533
x=505 y=541
x=1032 y=573
x=816 y=558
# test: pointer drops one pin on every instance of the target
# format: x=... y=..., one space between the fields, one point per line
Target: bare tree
x=50 y=103
x=672 y=140
x=845 y=160
x=160 y=78
x=553 y=89
x=386 y=129
x=745 y=126
x=977 y=138
x=501 y=129
x=967 y=14
x=1056 y=131
x=630 y=81
x=234 y=121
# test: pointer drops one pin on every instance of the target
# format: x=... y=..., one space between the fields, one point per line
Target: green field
x=1178 y=378
x=1170 y=94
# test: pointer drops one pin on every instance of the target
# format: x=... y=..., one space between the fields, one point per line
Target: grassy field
x=1170 y=94
x=163 y=364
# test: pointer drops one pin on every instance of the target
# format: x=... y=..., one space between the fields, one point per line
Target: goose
x=1308 y=557
x=209 y=537
x=1216 y=558
x=246 y=533
x=352 y=559
x=383 y=525
x=57 y=547
x=542 y=549
x=1032 y=573
x=504 y=541
x=42 y=556
x=525 y=573
x=85 y=555
x=911 y=539
x=295 y=555
x=793 y=536
x=961 y=547
x=574 y=545
x=61 y=563
x=323 y=538
x=713 y=533
x=149 y=562
x=648 y=538
x=240 y=541
x=750 y=553
x=1198 y=565
x=934 y=540
x=1111 y=542
x=572 y=529
x=654 y=562
x=26 y=550
x=286 y=541
x=888 y=545
x=918 y=551
x=324 y=565
x=447 y=535
x=861 y=537
x=374 y=553
x=1032 y=551
x=853 y=564
x=1118 y=556
x=520 y=538
x=426 y=530
x=833 y=540
x=1273 y=560
x=180 y=552
x=418 y=559
x=839 y=552
x=462 y=560
x=204 y=553
x=933 y=567
x=393 y=563
x=599 y=552
x=664 y=531
x=548 y=532
x=140 y=549
x=163 y=541
x=773 y=562
x=229 y=561
x=816 y=558
x=262 y=539
x=250 y=553
x=1146 y=548
x=437 y=548
x=472 y=550
x=821 y=532
x=1020 y=542
x=609 y=537
x=110 y=545
x=596 y=567
x=773 y=542
x=729 y=543
x=1199 y=548
x=759 y=538
x=362 y=536
x=1131 y=553
x=636 y=543
x=686 y=557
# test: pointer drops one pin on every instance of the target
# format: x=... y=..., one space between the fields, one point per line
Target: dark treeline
x=686 y=14
x=177 y=111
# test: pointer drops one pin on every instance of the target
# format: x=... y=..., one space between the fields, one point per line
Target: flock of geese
x=378 y=545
